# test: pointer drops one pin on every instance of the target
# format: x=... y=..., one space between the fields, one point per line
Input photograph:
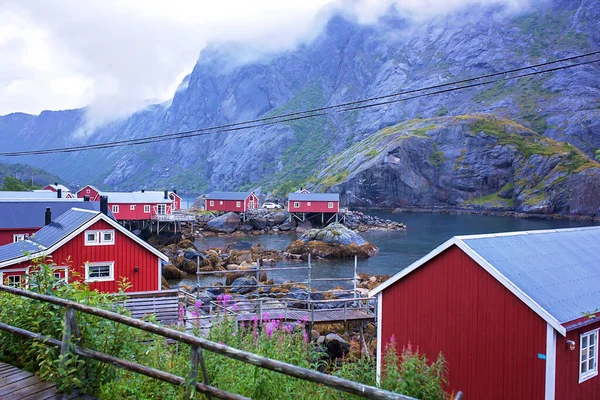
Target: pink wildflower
x=270 y=328
x=226 y=298
x=265 y=317
x=305 y=335
x=280 y=316
x=198 y=303
x=181 y=313
x=234 y=307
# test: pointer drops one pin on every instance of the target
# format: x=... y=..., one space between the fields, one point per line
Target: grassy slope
x=26 y=172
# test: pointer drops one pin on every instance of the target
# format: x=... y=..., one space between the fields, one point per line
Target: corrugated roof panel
x=15 y=250
x=228 y=195
x=135 y=197
x=314 y=196
x=62 y=227
x=559 y=270
x=40 y=194
x=31 y=214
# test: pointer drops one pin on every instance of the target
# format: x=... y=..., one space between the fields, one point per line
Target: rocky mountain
x=346 y=62
x=477 y=162
x=36 y=176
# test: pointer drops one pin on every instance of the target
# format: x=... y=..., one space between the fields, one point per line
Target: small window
x=13 y=280
x=308 y=203
x=99 y=272
x=56 y=275
x=221 y=203
x=212 y=203
x=588 y=355
x=330 y=204
x=91 y=238
x=238 y=204
x=146 y=209
x=115 y=209
x=108 y=237
x=132 y=207
x=18 y=237
x=87 y=191
x=296 y=204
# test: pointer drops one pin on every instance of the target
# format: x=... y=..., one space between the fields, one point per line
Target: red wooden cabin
x=21 y=219
x=64 y=191
x=138 y=206
x=91 y=191
x=86 y=245
x=231 y=201
x=314 y=202
x=505 y=310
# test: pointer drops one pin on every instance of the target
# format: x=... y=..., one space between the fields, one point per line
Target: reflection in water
x=397 y=249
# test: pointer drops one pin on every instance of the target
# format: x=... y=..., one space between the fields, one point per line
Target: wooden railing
x=197 y=344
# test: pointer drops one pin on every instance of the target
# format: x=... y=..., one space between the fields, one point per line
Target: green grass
x=492 y=199
x=437 y=157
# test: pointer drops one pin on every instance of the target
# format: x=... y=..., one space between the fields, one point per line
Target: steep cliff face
x=346 y=62
x=478 y=162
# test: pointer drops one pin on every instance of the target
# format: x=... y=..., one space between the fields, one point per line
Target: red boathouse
x=314 y=202
x=505 y=310
x=231 y=201
x=62 y=189
x=90 y=191
x=86 y=245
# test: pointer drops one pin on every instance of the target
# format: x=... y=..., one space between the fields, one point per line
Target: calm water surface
x=397 y=250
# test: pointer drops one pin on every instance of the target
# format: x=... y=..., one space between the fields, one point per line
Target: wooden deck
x=333 y=315
x=16 y=384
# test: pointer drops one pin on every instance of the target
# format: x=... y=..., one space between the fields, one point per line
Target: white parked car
x=271 y=206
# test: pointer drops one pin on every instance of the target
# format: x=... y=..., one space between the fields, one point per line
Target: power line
x=317 y=111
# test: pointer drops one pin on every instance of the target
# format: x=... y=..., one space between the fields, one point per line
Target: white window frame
x=251 y=203
x=296 y=204
x=146 y=208
x=590 y=373
x=161 y=209
x=111 y=270
x=238 y=204
x=211 y=203
x=220 y=202
x=99 y=239
x=132 y=207
x=19 y=237
x=87 y=191
x=115 y=208
x=308 y=204
x=7 y=277
x=56 y=270
x=330 y=204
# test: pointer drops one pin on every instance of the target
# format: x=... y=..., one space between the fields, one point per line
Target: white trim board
x=514 y=289
x=550 y=386
x=99 y=216
x=379 y=338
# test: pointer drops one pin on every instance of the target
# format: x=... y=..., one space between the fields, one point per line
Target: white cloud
x=117 y=54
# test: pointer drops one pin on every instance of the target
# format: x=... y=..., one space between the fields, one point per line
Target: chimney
x=143 y=190
x=175 y=191
x=48 y=216
x=166 y=194
x=59 y=193
x=104 y=205
x=55 y=183
x=86 y=198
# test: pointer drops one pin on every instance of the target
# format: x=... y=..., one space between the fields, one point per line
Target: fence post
x=193 y=378
x=204 y=372
x=65 y=345
x=309 y=279
x=355 y=275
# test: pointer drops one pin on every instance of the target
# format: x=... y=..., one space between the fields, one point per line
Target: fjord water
x=397 y=249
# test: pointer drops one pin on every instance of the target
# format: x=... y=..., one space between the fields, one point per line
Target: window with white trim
x=146 y=208
x=211 y=203
x=56 y=275
x=87 y=191
x=161 y=209
x=220 y=202
x=100 y=271
x=132 y=207
x=99 y=238
x=115 y=209
x=238 y=204
x=308 y=203
x=588 y=355
x=19 y=237
x=296 y=204
x=13 y=280
x=330 y=204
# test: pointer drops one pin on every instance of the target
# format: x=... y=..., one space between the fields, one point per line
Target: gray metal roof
x=31 y=214
x=59 y=186
x=558 y=269
x=314 y=196
x=62 y=226
x=16 y=250
x=38 y=194
x=228 y=195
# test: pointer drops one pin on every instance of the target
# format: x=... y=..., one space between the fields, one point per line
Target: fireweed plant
x=408 y=373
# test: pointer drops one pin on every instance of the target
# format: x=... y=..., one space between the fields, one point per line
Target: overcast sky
x=117 y=54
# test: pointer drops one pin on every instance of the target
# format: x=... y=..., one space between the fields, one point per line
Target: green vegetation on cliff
x=28 y=177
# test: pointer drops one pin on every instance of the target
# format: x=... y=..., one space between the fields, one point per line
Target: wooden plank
x=32 y=389
x=12 y=387
x=48 y=393
x=15 y=376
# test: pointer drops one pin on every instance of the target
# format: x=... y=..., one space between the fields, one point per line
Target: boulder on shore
x=334 y=241
x=226 y=223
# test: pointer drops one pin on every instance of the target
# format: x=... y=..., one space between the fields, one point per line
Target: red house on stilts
x=86 y=245
x=231 y=201
x=513 y=314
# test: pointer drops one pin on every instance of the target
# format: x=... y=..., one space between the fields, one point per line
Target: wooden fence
x=71 y=335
